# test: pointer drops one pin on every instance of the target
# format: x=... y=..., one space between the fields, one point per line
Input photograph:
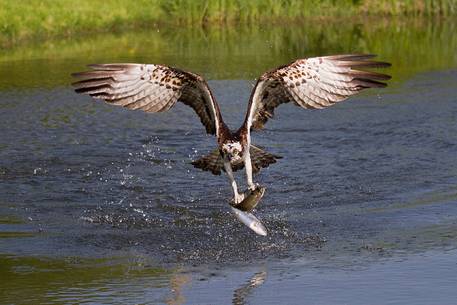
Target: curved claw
x=253 y=186
x=238 y=198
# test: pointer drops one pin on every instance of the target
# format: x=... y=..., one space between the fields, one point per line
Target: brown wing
x=313 y=83
x=151 y=88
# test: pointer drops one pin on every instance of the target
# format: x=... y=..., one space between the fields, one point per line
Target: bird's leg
x=237 y=196
x=248 y=166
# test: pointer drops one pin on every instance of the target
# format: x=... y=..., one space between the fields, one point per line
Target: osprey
x=312 y=83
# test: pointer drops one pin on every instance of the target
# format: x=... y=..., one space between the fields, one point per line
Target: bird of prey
x=310 y=83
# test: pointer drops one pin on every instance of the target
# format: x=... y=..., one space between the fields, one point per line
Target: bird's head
x=232 y=150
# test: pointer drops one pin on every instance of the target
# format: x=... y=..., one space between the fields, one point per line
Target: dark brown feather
x=363 y=64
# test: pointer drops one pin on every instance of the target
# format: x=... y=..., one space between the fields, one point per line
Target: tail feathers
x=213 y=162
x=261 y=159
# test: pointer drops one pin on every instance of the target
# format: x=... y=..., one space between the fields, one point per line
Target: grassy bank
x=28 y=19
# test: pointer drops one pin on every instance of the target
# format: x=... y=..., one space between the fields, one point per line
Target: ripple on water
x=109 y=178
x=185 y=235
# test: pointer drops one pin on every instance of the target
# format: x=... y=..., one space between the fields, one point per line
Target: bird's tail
x=261 y=159
x=213 y=162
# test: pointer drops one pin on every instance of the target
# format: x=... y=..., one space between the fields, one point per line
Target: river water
x=100 y=204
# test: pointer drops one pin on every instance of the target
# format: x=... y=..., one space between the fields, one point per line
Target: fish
x=251 y=199
x=251 y=221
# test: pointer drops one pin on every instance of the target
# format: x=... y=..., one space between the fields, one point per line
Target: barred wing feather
x=312 y=83
x=151 y=88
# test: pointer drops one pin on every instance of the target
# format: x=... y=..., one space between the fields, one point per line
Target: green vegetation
x=236 y=52
x=26 y=19
x=229 y=11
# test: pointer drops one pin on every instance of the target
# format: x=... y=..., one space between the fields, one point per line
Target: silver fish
x=251 y=221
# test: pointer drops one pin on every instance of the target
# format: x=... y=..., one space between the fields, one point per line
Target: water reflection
x=240 y=294
x=33 y=280
x=38 y=280
x=177 y=283
x=237 y=52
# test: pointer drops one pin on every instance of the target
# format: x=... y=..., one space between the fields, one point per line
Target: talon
x=253 y=186
x=238 y=198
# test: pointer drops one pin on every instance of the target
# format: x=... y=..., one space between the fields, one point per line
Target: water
x=100 y=204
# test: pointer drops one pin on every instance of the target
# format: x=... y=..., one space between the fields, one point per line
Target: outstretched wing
x=313 y=83
x=151 y=88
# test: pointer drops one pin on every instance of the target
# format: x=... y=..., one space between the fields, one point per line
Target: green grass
x=26 y=19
